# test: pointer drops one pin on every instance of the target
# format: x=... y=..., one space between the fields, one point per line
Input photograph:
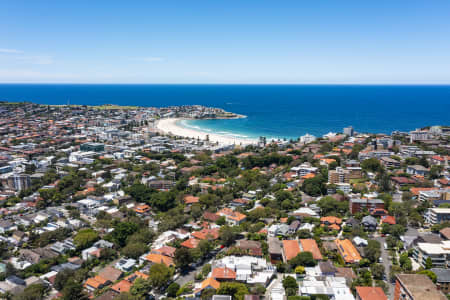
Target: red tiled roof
x=204 y=234
x=331 y=220
x=445 y=232
x=403 y=180
x=189 y=199
x=310 y=245
x=223 y=273
x=416 y=190
x=211 y=216
x=348 y=252
x=165 y=250
x=388 y=220
x=370 y=293
x=190 y=243
x=437 y=157
x=210 y=282
x=96 y=282
x=123 y=286
x=230 y=214
x=291 y=249
x=160 y=259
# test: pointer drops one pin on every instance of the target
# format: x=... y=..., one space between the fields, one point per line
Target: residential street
x=387 y=265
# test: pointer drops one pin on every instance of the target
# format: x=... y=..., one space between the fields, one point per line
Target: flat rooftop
x=420 y=287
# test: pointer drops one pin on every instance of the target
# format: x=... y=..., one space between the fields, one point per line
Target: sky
x=338 y=42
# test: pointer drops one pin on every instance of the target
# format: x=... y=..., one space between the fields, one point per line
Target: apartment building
x=340 y=175
x=437 y=215
x=416 y=287
x=358 y=205
x=439 y=253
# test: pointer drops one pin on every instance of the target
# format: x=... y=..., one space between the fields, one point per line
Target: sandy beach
x=170 y=126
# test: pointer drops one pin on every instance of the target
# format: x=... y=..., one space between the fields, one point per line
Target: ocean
x=280 y=111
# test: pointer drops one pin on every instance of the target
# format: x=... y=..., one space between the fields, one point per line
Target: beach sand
x=170 y=126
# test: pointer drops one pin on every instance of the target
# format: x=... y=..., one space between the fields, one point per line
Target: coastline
x=170 y=126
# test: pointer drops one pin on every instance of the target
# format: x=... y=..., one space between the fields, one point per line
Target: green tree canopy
x=235 y=289
x=85 y=238
x=160 y=274
x=290 y=285
x=304 y=258
x=134 y=250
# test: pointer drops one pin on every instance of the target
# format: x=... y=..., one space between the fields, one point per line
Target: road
x=387 y=265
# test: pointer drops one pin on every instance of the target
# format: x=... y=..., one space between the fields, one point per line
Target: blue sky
x=225 y=41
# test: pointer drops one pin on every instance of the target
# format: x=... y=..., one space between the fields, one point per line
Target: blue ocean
x=284 y=111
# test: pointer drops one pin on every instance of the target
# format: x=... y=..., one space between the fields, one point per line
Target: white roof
x=429 y=248
x=441 y=210
x=305 y=210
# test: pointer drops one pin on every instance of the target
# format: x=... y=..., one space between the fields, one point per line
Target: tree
x=144 y=235
x=391 y=242
x=159 y=275
x=32 y=292
x=163 y=200
x=428 y=263
x=73 y=291
x=122 y=231
x=62 y=277
x=377 y=271
x=221 y=221
x=314 y=186
x=183 y=257
x=206 y=269
x=173 y=289
x=140 y=192
x=207 y=294
x=134 y=250
x=141 y=287
x=330 y=206
x=397 y=230
x=372 y=251
x=300 y=270
x=430 y=274
x=85 y=238
x=364 y=279
x=196 y=211
x=290 y=285
x=303 y=259
x=405 y=262
x=435 y=171
x=394 y=271
x=258 y=289
x=371 y=164
x=235 y=289
x=385 y=183
x=205 y=247
x=304 y=234
x=227 y=235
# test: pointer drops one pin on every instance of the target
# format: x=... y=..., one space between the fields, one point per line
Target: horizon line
x=224 y=83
